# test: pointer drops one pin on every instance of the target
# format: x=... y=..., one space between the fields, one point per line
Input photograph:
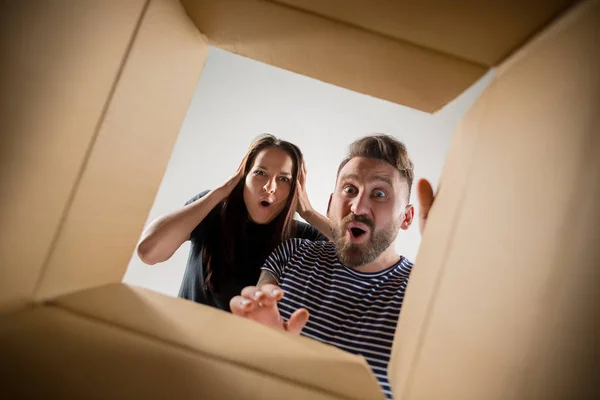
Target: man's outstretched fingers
x=256 y=295
x=272 y=291
x=240 y=305
x=261 y=295
x=297 y=321
x=249 y=292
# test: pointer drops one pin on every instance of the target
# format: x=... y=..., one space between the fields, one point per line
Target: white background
x=238 y=98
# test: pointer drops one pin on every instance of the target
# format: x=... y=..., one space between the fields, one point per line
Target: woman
x=234 y=227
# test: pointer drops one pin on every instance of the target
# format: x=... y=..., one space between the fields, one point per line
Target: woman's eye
x=379 y=193
x=259 y=172
x=284 y=179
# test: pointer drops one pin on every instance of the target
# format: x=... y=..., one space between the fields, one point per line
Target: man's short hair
x=385 y=148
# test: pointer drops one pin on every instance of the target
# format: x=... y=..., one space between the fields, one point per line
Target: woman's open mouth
x=265 y=203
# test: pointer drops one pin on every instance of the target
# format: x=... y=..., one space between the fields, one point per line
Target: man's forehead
x=360 y=168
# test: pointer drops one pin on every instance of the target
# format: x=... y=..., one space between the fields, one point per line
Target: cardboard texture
x=95 y=96
x=334 y=52
x=502 y=302
x=55 y=90
x=483 y=32
x=130 y=153
x=125 y=342
x=415 y=53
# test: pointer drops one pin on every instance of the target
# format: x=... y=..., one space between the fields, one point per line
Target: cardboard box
x=503 y=300
x=419 y=54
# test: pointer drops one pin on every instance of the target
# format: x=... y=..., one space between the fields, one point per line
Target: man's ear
x=408 y=217
x=329 y=204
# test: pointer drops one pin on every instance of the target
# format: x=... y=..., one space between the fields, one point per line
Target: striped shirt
x=354 y=311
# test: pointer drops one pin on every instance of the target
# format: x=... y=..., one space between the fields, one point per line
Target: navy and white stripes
x=354 y=311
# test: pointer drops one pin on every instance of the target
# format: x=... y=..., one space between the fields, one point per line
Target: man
x=353 y=287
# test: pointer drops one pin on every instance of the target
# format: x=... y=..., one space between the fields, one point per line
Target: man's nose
x=360 y=205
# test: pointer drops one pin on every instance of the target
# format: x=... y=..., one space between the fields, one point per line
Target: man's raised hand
x=426 y=198
x=260 y=304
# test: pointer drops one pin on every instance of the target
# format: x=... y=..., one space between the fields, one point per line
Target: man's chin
x=353 y=255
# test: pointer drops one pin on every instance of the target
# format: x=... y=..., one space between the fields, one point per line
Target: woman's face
x=268 y=184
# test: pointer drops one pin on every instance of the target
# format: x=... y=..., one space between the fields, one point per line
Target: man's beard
x=355 y=255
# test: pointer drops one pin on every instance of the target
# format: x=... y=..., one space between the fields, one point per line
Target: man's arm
x=266 y=278
x=259 y=303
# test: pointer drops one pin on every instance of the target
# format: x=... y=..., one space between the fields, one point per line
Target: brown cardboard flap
x=130 y=153
x=59 y=65
x=52 y=353
x=226 y=339
x=503 y=300
x=437 y=242
x=484 y=32
x=334 y=52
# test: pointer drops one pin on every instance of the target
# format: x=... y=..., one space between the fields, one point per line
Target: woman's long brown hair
x=219 y=256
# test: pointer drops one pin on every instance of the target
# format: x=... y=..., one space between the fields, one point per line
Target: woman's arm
x=318 y=221
x=167 y=233
x=305 y=209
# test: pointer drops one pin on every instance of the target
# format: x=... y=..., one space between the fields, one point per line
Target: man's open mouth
x=357 y=232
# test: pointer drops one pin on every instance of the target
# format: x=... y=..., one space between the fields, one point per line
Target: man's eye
x=379 y=193
x=349 y=189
